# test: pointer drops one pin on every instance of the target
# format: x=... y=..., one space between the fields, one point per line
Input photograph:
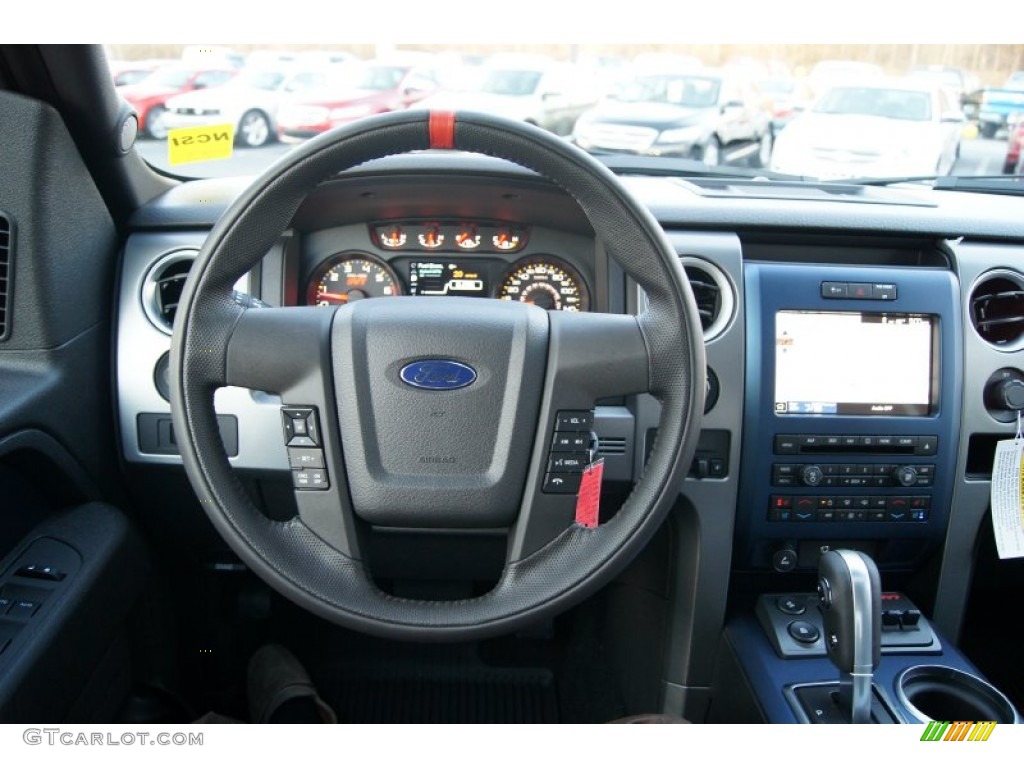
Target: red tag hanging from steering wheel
x=588 y=500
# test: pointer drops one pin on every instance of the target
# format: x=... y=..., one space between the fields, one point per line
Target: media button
x=859 y=291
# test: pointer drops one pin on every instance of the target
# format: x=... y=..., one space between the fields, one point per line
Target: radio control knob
x=905 y=476
x=811 y=475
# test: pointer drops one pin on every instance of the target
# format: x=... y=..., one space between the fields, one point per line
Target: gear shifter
x=850 y=591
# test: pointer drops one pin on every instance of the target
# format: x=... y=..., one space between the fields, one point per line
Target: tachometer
x=547 y=282
x=342 y=279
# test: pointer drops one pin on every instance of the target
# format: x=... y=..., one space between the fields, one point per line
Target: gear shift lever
x=851 y=604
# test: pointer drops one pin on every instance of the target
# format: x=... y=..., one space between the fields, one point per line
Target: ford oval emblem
x=437 y=374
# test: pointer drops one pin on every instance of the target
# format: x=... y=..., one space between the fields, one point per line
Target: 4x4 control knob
x=905 y=476
x=811 y=475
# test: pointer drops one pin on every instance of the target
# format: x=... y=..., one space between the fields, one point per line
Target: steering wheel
x=468 y=455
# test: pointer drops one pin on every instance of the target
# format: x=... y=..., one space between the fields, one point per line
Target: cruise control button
x=803 y=632
x=303 y=458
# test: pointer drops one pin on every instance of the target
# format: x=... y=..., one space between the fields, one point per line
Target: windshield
x=680 y=91
x=381 y=78
x=260 y=80
x=169 y=78
x=734 y=107
x=876 y=102
x=511 y=82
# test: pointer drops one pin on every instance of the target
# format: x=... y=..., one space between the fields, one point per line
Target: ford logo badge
x=437 y=374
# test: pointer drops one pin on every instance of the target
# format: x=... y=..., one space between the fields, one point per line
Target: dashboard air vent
x=713 y=293
x=162 y=287
x=5 y=273
x=997 y=309
x=611 y=446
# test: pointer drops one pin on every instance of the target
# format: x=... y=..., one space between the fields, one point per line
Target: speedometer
x=351 y=277
x=547 y=282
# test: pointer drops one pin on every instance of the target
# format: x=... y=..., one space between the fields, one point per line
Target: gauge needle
x=338 y=296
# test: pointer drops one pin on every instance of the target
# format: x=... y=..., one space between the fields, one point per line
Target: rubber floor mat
x=378 y=694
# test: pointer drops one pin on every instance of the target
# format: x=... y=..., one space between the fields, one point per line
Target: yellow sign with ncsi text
x=190 y=145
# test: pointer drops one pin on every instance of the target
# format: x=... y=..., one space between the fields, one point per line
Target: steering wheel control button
x=570 y=442
x=310 y=480
x=791 y=606
x=305 y=458
x=804 y=632
x=568 y=462
x=574 y=421
x=301 y=429
x=562 y=482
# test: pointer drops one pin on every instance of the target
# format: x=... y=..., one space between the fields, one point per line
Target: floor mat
x=441 y=694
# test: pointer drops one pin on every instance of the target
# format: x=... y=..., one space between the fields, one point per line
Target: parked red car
x=149 y=96
x=1015 y=149
x=377 y=87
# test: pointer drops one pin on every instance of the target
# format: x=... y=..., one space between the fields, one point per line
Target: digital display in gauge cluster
x=446 y=278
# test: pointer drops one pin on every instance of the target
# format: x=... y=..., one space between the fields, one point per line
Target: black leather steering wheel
x=382 y=439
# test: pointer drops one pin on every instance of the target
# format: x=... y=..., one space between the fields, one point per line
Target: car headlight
x=686 y=135
x=348 y=113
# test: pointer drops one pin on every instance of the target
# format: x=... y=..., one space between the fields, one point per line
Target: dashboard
x=861 y=343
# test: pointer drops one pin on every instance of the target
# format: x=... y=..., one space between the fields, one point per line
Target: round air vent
x=162 y=286
x=997 y=309
x=713 y=292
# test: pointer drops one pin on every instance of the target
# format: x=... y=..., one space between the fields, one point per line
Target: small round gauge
x=351 y=277
x=431 y=237
x=547 y=282
x=507 y=239
x=392 y=235
x=467 y=238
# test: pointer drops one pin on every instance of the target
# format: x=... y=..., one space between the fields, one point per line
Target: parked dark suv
x=701 y=115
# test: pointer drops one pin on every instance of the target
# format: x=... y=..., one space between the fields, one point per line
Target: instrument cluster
x=448 y=258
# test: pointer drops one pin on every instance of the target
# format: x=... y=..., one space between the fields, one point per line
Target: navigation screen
x=853 y=363
x=445 y=278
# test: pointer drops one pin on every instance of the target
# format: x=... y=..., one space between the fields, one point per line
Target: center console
x=851 y=413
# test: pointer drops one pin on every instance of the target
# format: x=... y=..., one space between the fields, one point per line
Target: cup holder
x=932 y=692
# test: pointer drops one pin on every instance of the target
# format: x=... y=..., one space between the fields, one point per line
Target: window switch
x=41 y=572
x=23 y=609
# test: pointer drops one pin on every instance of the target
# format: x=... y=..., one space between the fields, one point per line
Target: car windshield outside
x=670 y=89
x=877 y=102
x=511 y=82
x=623 y=100
x=169 y=77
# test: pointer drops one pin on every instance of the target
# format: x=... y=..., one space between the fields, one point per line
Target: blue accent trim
x=771 y=287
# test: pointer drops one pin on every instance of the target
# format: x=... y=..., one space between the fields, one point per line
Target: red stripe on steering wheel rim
x=442 y=130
